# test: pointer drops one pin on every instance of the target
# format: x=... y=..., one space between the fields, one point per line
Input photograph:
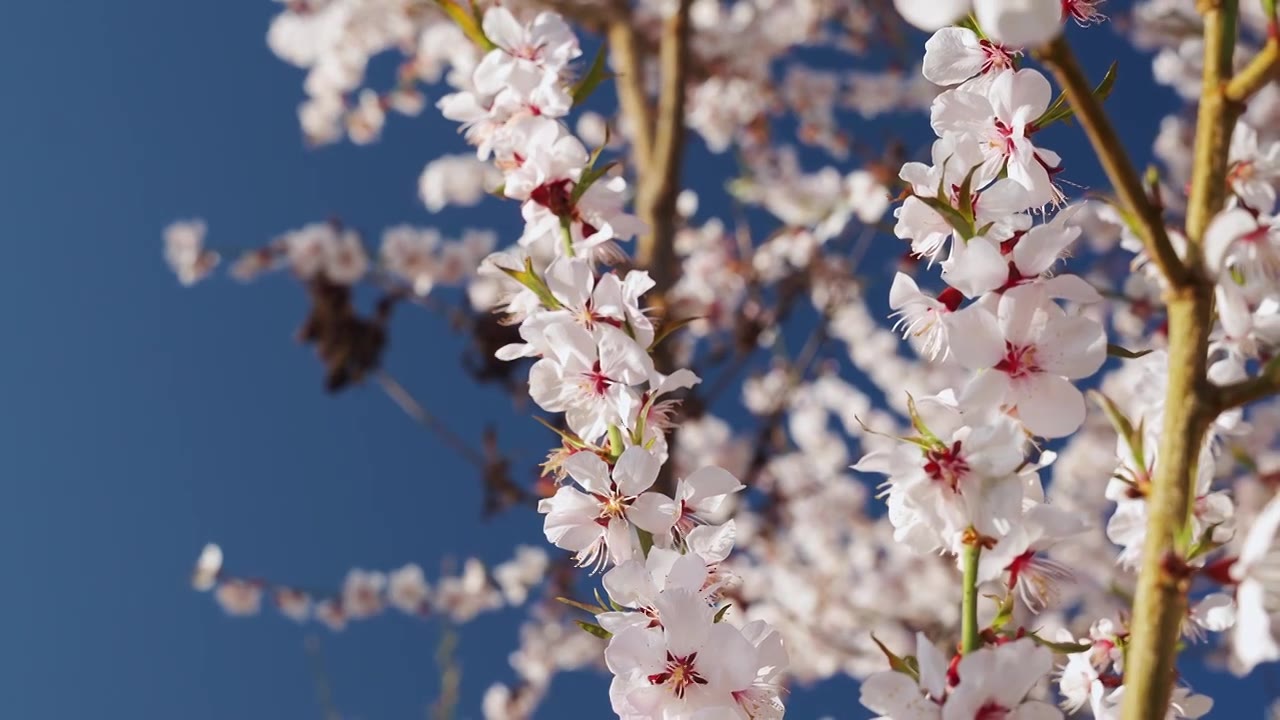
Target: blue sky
x=141 y=420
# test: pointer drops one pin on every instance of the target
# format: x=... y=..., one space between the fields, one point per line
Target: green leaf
x=580 y=605
x=616 y=445
x=469 y=21
x=965 y=201
x=596 y=74
x=670 y=327
x=1004 y=612
x=954 y=218
x=1269 y=9
x=1133 y=437
x=646 y=541
x=528 y=278
x=1121 y=352
x=569 y=438
x=1062 y=648
x=1060 y=110
x=906 y=666
x=594 y=629
x=931 y=441
x=720 y=613
x=590 y=176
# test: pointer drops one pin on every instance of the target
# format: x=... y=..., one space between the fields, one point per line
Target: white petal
x=1048 y=405
x=1020 y=23
x=952 y=56
x=975 y=337
x=635 y=470
x=590 y=471
x=929 y=15
x=653 y=512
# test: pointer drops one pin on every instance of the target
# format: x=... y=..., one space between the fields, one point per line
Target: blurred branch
x=415 y=410
x=446 y=705
x=324 y=689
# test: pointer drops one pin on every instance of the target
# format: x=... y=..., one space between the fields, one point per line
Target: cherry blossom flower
x=1238 y=238
x=1030 y=351
x=954 y=54
x=407 y=589
x=1001 y=122
x=1020 y=23
x=208 y=567
x=239 y=597
x=526 y=54
x=598 y=525
x=362 y=593
x=1257 y=571
x=185 y=252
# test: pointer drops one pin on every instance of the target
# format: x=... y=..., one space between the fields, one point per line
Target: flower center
x=994 y=56
x=595 y=380
x=991 y=711
x=679 y=674
x=947 y=466
x=1018 y=361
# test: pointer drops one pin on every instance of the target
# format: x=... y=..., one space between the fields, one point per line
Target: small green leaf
x=594 y=629
x=589 y=178
x=1004 y=613
x=670 y=327
x=569 y=438
x=530 y=279
x=965 y=201
x=1062 y=648
x=931 y=441
x=468 y=21
x=616 y=445
x=646 y=541
x=1060 y=110
x=1121 y=352
x=720 y=613
x=957 y=221
x=579 y=605
x=1133 y=437
x=905 y=666
x=596 y=74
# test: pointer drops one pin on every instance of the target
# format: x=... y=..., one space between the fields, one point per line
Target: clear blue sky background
x=140 y=420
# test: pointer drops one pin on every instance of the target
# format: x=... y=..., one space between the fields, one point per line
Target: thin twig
x=415 y=410
x=1110 y=151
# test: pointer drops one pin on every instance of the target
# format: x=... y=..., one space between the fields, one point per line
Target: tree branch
x=628 y=60
x=1264 y=68
x=1110 y=151
x=1160 y=604
x=1266 y=384
x=660 y=184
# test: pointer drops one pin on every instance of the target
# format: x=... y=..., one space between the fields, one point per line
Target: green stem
x=969 y=605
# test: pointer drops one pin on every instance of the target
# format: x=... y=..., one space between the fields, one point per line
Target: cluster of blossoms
x=366 y=594
x=671 y=650
x=1002 y=352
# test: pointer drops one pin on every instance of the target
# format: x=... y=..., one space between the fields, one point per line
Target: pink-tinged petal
x=1020 y=23
x=589 y=471
x=727 y=660
x=629 y=584
x=975 y=267
x=706 y=487
x=570 y=522
x=1074 y=347
x=622 y=542
x=638 y=651
x=689 y=572
x=492 y=72
x=1048 y=405
x=960 y=111
x=1072 y=288
x=1261 y=538
x=933 y=667
x=903 y=290
x=686 y=620
x=1253 y=638
x=1020 y=314
x=501 y=27
x=1041 y=247
x=976 y=341
x=896 y=696
x=952 y=56
x=653 y=512
x=929 y=15
x=1224 y=230
x=635 y=471
x=986 y=392
x=712 y=543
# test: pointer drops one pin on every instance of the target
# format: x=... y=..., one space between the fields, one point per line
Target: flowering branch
x=1117 y=165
